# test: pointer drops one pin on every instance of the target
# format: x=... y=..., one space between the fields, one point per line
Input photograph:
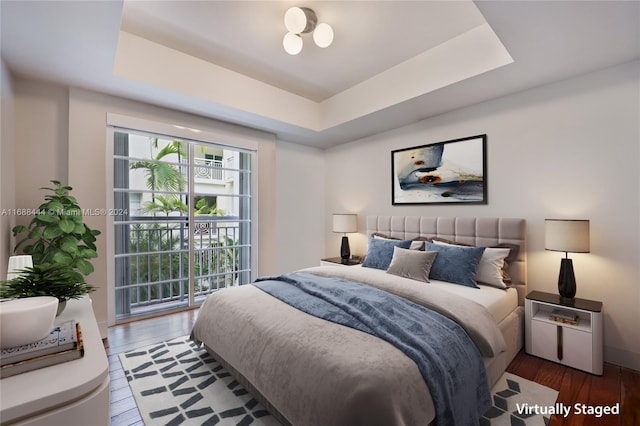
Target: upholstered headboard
x=477 y=231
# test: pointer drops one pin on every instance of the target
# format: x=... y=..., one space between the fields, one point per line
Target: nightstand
x=333 y=261
x=573 y=338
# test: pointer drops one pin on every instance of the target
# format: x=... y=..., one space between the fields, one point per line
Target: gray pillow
x=455 y=264
x=412 y=264
x=380 y=252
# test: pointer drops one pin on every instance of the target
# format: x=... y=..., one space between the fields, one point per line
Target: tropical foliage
x=163 y=261
x=164 y=265
x=163 y=176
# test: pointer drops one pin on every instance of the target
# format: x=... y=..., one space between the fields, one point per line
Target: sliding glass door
x=182 y=221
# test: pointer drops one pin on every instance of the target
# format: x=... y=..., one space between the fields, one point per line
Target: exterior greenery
x=161 y=270
x=163 y=176
x=165 y=267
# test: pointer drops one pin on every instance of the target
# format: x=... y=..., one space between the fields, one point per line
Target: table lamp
x=18 y=263
x=569 y=236
x=345 y=223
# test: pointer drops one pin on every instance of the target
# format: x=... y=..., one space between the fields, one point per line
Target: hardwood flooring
x=616 y=385
x=125 y=337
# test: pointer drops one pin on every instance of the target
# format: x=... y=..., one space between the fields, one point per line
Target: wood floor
x=616 y=385
x=125 y=337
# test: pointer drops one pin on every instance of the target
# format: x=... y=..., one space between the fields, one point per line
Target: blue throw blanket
x=449 y=361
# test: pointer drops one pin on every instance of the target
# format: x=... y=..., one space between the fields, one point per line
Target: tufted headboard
x=477 y=231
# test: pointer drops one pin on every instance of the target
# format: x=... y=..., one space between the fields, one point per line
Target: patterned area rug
x=515 y=400
x=178 y=383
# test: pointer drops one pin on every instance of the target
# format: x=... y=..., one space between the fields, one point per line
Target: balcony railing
x=209 y=169
x=152 y=268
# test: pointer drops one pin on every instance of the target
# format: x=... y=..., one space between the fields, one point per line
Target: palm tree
x=162 y=176
x=165 y=205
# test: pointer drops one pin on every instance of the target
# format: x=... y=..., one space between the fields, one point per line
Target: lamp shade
x=345 y=223
x=567 y=235
x=17 y=263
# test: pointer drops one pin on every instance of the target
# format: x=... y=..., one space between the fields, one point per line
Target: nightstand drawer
x=565 y=345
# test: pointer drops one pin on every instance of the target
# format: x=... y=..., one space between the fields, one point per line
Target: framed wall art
x=452 y=171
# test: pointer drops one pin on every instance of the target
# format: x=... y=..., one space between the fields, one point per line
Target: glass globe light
x=323 y=35
x=295 y=20
x=292 y=43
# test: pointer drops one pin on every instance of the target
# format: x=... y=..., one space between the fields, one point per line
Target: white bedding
x=498 y=302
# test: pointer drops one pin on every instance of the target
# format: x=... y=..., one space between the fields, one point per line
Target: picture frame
x=448 y=172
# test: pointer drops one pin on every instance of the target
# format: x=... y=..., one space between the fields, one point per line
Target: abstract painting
x=452 y=171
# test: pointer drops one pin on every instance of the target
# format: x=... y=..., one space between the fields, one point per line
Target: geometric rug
x=179 y=383
x=515 y=400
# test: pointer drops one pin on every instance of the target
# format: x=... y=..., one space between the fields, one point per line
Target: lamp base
x=345 y=251
x=567 y=280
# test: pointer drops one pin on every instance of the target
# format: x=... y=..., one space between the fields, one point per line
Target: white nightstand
x=71 y=393
x=575 y=345
x=335 y=261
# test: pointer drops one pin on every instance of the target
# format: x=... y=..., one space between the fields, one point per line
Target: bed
x=312 y=371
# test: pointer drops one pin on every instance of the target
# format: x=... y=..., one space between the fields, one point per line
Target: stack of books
x=564 y=317
x=64 y=343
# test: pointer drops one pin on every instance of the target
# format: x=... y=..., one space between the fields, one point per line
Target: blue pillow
x=380 y=252
x=455 y=264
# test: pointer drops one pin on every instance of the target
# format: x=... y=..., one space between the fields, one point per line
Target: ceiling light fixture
x=302 y=20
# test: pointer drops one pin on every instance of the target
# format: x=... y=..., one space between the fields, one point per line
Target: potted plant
x=59 y=281
x=60 y=244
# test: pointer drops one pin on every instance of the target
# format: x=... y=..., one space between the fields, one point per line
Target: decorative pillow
x=514 y=249
x=380 y=252
x=414 y=264
x=491 y=266
x=416 y=243
x=455 y=264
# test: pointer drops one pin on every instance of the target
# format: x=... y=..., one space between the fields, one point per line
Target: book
x=62 y=337
x=564 y=317
x=76 y=352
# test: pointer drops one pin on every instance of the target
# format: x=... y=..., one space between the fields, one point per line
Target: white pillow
x=489 y=270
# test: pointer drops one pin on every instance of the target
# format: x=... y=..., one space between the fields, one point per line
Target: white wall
x=61 y=134
x=7 y=170
x=300 y=205
x=565 y=150
x=40 y=148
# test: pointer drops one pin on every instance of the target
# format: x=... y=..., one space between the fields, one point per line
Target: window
x=181 y=223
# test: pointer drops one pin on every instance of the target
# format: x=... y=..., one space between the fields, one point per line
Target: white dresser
x=67 y=394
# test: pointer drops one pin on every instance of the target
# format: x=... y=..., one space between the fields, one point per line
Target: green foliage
x=165 y=205
x=155 y=267
x=46 y=280
x=161 y=261
x=57 y=235
x=220 y=261
x=163 y=177
x=203 y=207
